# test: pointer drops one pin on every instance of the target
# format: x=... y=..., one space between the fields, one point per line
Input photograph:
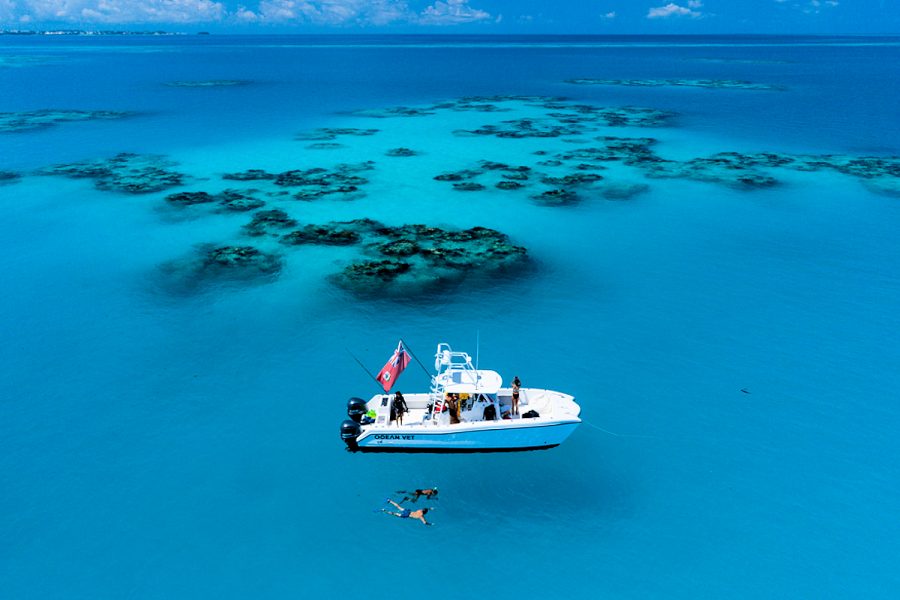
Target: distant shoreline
x=89 y=32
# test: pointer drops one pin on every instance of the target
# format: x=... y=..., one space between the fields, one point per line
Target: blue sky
x=463 y=16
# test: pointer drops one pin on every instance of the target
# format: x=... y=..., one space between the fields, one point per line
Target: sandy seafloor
x=160 y=439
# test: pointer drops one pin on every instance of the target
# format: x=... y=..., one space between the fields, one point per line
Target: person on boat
x=428 y=494
x=398 y=407
x=453 y=405
x=516 y=385
x=405 y=513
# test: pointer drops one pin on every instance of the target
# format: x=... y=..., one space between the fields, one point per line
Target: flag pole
x=363 y=367
x=427 y=372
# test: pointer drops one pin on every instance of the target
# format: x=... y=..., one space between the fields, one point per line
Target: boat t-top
x=466 y=410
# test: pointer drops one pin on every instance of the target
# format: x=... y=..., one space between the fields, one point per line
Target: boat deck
x=548 y=404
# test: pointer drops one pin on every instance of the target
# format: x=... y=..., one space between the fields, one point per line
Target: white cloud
x=314 y=12
x=610 y=15
x=815 y=6
x=362 y=12
x=673 y=10
x=451 y=12
x=327 y=12
x=695 y=4
x=7 y=11
x=244 y=15
x=119 y=11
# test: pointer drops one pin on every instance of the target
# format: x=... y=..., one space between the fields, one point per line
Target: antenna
x=477 y=349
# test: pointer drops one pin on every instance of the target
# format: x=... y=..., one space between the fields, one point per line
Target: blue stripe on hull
x=445 y=450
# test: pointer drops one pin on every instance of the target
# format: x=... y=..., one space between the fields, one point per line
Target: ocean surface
x=169 y=429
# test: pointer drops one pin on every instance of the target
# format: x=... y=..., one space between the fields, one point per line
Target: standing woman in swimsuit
x=516 y=384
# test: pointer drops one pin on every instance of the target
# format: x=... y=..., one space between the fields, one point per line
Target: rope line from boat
x=624 y=435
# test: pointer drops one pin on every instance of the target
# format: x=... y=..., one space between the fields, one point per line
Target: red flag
x=392 y=369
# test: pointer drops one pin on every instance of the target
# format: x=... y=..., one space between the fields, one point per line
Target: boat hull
x=503 y=437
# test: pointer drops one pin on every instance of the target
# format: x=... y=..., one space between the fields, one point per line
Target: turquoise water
x=164 y=437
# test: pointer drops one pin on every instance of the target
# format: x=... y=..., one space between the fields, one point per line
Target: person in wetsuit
x=429 y=494
x=398 y=407
x=405 y=513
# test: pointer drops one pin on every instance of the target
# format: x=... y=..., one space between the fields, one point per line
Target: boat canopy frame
x=454 y=368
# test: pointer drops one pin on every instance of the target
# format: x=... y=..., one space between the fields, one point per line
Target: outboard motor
x=350 y=430
x=356 y=408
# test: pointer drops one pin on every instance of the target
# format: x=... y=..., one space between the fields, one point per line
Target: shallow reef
x=583 y=120
x=27 y=60
x=239 y=200
x=556 y=197
x=404 y=260
x=401 y=152
x=481 y=104
x=468 y=186
x=126 y=172
x=213 y=265
x=209 y=83
x=753 y=170
x=9 y=177
x=250 y=175
x=269 y=222
x=333 y=133
x=729 y=84
x=190 y=198
x=578 y=161
x=342 y=180
x=620 y=190
x=393 y=111
x=13 y=122
x=325 y=146
x=335 y=233
x=411 y=260
x=228 y=200
x=740 y=61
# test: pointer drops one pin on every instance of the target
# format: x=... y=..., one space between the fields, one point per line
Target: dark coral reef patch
x=13 y=122
x=401 y=152
x=126 y=172
x=718 y=84
x=342 y=180
x=213 y=265
x=405 y=260
x=209 y=83
x=269 y=222
x=333 y=133
x=411 y=260
x=228 y=200
x=9 y=177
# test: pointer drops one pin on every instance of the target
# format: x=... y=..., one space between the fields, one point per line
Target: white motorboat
x=467 y=410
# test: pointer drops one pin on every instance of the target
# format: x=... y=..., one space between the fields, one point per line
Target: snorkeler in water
x=405 y=513
x=429 y=494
